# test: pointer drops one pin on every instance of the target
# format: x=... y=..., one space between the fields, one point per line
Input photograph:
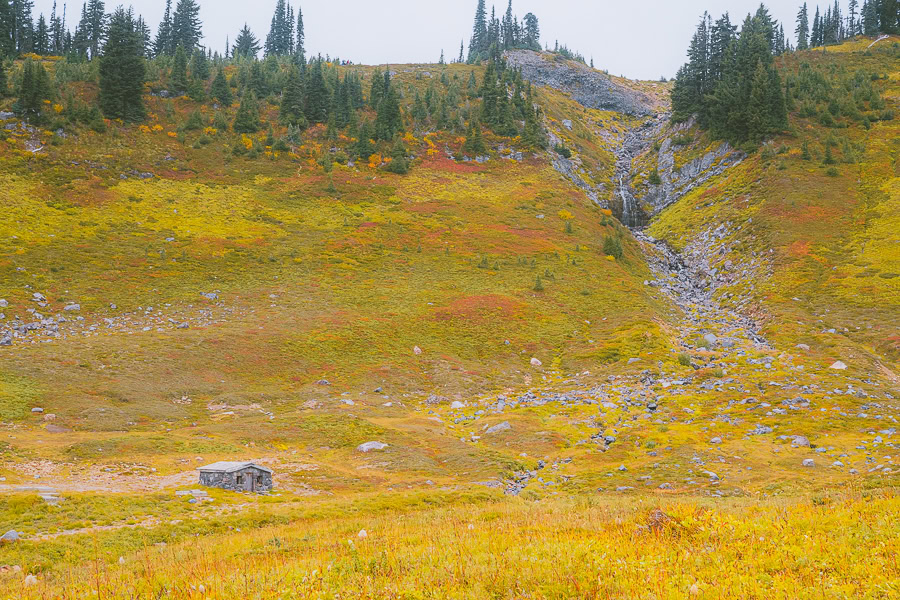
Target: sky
x=643 y=39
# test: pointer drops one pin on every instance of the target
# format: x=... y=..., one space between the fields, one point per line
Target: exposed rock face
x=588 y=87
x=635 y=210
x=678 y=182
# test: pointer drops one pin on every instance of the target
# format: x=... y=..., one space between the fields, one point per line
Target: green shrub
x=654 y=178
x=194 y=122
x=562 y=151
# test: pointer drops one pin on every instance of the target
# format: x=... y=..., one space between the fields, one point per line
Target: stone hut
x=237 y=476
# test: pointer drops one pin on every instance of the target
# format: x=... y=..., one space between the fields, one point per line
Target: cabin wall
x=228 y=481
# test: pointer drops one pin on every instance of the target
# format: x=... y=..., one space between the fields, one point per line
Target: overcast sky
x=639 y=39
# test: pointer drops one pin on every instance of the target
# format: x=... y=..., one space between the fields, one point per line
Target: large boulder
x=370 y=446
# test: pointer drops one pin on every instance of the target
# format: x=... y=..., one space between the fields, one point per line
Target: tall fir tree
x=187 y=29
x=178 y=80
x=22 y=27
x=300 y=46
x=245 y=45
x=220 y=90
x=852 y=18
x=532 y=33
x=33 y=90
x=888 y=17
x=57 y=34
x=479 y=44
x=802 y=30
x=389 y=119
x=164 y=35
x=816 y=38
x=318 y=97
x=292 y=104
x=7 y=29
x=4 y=87
x=96 y=26
x=41 y=37
x=247 y=118
x=122 y=69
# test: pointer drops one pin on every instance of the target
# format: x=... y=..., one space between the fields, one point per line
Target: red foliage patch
x=799 y=248
x=480 y=308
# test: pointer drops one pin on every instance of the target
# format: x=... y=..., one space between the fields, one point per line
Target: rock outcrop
x=587 y=86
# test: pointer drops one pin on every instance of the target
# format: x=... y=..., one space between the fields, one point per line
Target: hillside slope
x=550 y=389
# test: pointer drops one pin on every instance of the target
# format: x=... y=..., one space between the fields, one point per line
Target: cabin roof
x=229 y=467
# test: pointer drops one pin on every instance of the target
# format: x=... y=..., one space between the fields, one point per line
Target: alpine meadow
x=277 y=324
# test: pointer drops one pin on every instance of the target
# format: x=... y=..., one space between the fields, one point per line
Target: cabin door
x=246 y=481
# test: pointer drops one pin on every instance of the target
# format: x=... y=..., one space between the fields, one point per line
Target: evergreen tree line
x=730 y=80
x=491 y=37
x=833 y=26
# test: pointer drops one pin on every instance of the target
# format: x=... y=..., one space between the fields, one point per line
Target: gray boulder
x=10 y=536
x=504 y=426
x=370 y=446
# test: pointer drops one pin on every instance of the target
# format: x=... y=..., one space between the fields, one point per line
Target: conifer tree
x=816 y=37
x=474 y=144
x=3 y=85
x=122 y=69
x=399 y=163
x=178 y=80
x=318 y=98
x=364 y=148
x=163 y=43
x=220 y=89
x=7 y=29
x=187 y=29
x=22 y=26
x=246 y=45
x=299 y=48
x=247 y=118
x=852 y=18
x=376 y=91
x=200 y=70
x=292 y=112
x=33 y=90
x=41 y=38
x=888 y=16
x=802 y=30
x=389 y=120
x=96 y=22
x=479 y=44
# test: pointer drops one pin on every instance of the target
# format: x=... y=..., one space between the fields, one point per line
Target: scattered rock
x=715 y=440
x=808 y=462
x=370 y=446
x=536 y=363
x=839 y=366
x=710 y=339
x=30 y=580
x=72 y=308
x=504 y=426
x=417 y=351
x=800 y=442
x=457 y=405
x=362 y=534
x=37 y=410
x=803 y=347
x=210 y=295
x=10 y=536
